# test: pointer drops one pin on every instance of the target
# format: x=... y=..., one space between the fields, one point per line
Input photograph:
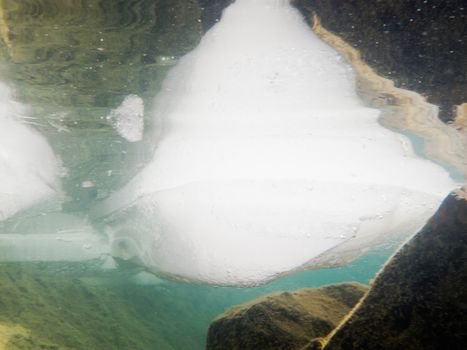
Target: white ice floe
x=128 y=118
x=29 y=170
x=267 y=160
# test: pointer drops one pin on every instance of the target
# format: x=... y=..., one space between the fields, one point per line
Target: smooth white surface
x=267 y=159
x=29 y=170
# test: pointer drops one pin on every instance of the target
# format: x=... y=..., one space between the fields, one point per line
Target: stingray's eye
x=124 y=248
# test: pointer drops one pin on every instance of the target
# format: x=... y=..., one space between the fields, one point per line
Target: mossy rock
x=286 y=320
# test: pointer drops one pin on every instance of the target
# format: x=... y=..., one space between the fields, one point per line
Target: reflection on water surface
x=73 y=61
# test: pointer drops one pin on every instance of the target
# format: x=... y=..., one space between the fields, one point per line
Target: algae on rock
x=73 y=307
x=288 y=320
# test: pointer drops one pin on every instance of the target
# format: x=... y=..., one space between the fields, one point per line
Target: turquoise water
x=418 y=145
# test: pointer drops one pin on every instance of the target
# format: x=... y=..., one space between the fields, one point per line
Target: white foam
x=128 y=118
x=29 y=170
x=267 y=159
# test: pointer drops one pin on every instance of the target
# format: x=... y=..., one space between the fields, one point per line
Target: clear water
x=72 y=62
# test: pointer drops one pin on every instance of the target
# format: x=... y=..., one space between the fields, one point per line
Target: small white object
x=87 y=184
x=128 y=118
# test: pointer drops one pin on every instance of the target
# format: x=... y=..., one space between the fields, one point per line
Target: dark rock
x=419 y=300
x=211 y=11
x=417 y=43
x=284 y=321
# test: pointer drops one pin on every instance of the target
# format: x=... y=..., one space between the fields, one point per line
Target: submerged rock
x=419 y=300
x=284 y=321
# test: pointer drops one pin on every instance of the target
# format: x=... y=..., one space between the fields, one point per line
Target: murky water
x=71 y=63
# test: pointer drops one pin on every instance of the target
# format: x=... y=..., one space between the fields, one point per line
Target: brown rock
x=284 y=321
x=419 y=300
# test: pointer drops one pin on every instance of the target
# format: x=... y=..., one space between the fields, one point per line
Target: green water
x=72 y=62
x=79 y=306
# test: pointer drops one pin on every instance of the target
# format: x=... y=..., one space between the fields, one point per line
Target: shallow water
x=72 y=64
x=135 y=307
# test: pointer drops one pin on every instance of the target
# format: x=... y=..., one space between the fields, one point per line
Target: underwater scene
x=220 y=174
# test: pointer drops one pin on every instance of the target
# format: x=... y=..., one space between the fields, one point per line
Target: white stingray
x=267 y=160
x=29 y=170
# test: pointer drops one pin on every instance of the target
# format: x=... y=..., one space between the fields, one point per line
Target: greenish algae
x=63 y=312
x=80 y=306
